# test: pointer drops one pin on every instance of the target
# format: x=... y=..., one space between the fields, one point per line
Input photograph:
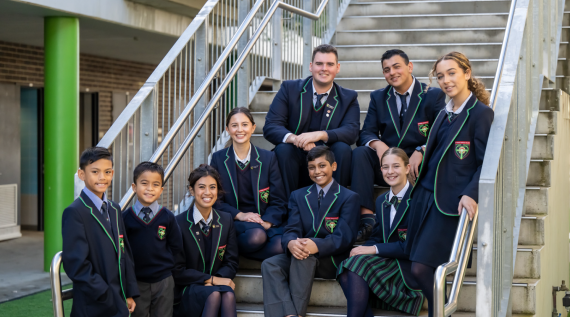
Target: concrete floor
x=21 y=267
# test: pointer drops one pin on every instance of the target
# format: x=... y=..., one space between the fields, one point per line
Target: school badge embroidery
x=462 y=149
x=221 y=252
x=330 y=223
x=402 y=233
x=423 y=127
x=264 y=195
x=122 y=243
x=161 y=232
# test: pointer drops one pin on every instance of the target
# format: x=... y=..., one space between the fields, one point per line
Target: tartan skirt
x=385 y=282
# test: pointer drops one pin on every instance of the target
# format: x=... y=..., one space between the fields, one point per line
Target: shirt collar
x=198 y=216
x=325 y=189
x=401 y=193
x=450 y=104
x=246 y=159
x=410 y=90
x=98 y=202
x=315 y=90
x=154 y=207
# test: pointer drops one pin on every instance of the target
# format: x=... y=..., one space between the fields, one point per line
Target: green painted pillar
x=61 y=122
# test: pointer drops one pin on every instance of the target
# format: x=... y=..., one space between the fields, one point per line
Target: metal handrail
x=222 y=88
x=458 y=260
x=57 y=295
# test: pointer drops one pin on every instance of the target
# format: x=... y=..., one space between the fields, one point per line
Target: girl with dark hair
x=378 y=274
x=255 y=196
x=448 y=181
x=209 y=259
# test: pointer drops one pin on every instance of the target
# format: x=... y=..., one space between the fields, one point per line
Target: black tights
x=357 y=293
x=220 y=304
x=424 y=276
x=254 y=244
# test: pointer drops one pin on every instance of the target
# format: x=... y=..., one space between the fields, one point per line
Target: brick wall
x=24 y=65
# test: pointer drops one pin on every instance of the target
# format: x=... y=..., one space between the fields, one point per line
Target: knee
x=284 y=150
x=256 y=238
x=360 y=152
x=215 y=297
x=341 y=150
x=229 y=296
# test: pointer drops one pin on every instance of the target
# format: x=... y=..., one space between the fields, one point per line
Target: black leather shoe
x=364 y=232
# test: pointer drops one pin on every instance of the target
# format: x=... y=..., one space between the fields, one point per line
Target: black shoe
x=364 y=232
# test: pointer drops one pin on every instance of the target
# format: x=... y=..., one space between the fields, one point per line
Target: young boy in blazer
x=96 y=252
x=399 y=115
x=322 y=227
x=309 y=112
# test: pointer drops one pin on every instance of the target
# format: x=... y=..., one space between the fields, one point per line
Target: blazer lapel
x=95 y=213
x=230 y=164
x=415 y=100
x=216 y=232
x=195 y=232
x=330 y=108
x=327 y=203
x=306 y=103
x=401 y=211
x=393 y=109
x=114 y=222
x=311 y=200
x=386 y=217
x=255 y=164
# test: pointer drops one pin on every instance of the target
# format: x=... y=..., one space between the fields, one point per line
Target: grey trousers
x=156 y=299
x=287 y=283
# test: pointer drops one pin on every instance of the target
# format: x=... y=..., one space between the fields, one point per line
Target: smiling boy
x=322 y=227
x=96 y=254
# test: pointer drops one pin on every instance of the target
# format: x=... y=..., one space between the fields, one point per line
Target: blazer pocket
x=221 y=252
x=402 y=234
x=264 y=195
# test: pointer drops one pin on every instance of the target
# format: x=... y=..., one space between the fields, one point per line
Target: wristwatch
x=420 y=149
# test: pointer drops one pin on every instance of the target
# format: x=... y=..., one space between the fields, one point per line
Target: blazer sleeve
x=186 y=276
x=393 y=250
x=482 y=130
x=220 y=203
x=371 y=128
x=377 y=235
x=294 y=227
x=347 y=132
x=344 y=235
x=231 y=259
x=174 y=237
x=275 y=127
x=131 y=287
x=75 y=256
x=277 y=210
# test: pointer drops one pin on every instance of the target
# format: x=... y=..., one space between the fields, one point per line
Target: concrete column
x=61 y=117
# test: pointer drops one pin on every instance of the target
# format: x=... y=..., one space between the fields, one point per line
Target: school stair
x=236 y=53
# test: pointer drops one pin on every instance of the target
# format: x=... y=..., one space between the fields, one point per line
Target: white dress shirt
x=198 y=216
x=246 y=159
x=450 y=104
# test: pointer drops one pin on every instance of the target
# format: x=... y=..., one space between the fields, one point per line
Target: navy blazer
x=333 y=227
x=190 y=267
x=267 y=184
x=98 y=261
x=390 y=240
x=383 y=117
x=290 y=112
x=459 y=169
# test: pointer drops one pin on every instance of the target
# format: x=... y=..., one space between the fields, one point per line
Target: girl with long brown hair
x=448 y=182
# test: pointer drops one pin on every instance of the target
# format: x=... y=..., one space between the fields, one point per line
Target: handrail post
x=243 y=82
x=277 y=29
x=55 y=279
x=332 y=15
x=201 y=69
x=307 y=39
x=148 y=126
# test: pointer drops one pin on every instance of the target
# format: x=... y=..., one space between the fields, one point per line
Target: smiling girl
x=255 y=196
x=449 y=178
x=209 y=260
x=378 y=274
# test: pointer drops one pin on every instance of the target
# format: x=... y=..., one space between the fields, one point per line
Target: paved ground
x=21 y=267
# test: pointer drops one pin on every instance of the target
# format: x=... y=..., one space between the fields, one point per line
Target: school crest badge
x=402 y=233
x=462 y=149
x=122 y=243
x=161 y=232
x=221 y=252
x=330 y=223
x=423 y=127
x=264 y=195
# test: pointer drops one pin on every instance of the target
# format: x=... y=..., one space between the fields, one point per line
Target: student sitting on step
x=310 y=112
x=96 y=253
x=378 y=274
x=399 y=115
x=320 y=231
x=255 y=195
x=449 y=177
x=155 y=239
x=208 y=262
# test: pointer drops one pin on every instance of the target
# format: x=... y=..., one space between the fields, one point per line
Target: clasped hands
x=215 y=280
x=253 y=217
x=302 y=248
x=306 y=141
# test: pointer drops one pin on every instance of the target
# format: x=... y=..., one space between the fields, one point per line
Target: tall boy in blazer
x=309 y=112
x=321 y=229
x=399 y=115
x=96 y=252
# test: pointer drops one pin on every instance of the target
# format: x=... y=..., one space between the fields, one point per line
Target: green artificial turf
x=37 y=305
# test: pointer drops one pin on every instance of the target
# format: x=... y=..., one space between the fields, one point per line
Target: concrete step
x=546 y=123
x=419 y=21
x=536 y=201
x=549 y=100
x=527 y=263
x=444 y=35
x=372 y=83
x=539 y=174
x=328 y=293
x=531 y=231
x=425 y=7
x=543 y=147
x=490 y=50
